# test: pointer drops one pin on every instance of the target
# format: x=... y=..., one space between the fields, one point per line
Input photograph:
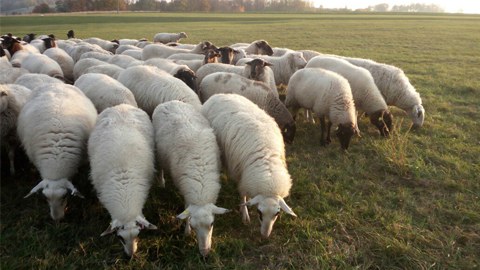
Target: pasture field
x=411 y=201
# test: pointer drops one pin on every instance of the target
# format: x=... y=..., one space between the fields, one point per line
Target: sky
x=466 y=6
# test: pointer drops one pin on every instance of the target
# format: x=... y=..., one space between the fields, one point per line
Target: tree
x=41 y=8
x=381 y=7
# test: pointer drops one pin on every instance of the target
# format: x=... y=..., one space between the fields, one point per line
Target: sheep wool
x=53 y=127
x=254 y=153
x=121 y=151
x=187 y=148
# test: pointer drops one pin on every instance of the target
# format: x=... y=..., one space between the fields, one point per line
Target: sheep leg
x=161 y=179
x=188 y=229
x=11 y=158
x=323 y=141
x=244 y=210
x=329 y=126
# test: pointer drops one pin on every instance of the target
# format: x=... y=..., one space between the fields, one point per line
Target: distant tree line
x=47 y=6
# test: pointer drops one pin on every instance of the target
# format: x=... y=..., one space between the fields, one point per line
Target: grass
x=407 y=202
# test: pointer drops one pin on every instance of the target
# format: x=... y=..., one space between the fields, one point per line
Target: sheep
x=327 y=94
x=309 y=54
x=9 y=74
x=283 y=66
x=129 y=41
x=186 y=56
x=34 y=80
x=12 y=45
x=254 y=154
x=43 y=44
x=257 y=92
x=53 y=127
x=12 y=99
x=137 y=54
x=188 y=150
x=365 y=93
x=104 y=44
x=182 y=72
x=39 y=63
x=256 y=47
x=81 y=48
x=143 y=43
x=29 y=37
x=152 y=86
x=64 y=60
x=107 y=69
x=104 y=91
x=227 y=54
x=123 y=48
x=121 y=151
x=70 y=34
x=210 y=57
x=168 y=37
x=181 y=45
x=103 y=56
x=256 y=69
x=395 y=88
x=124 y=61
x=281 y=51
x=163 y=51
x=83 y=64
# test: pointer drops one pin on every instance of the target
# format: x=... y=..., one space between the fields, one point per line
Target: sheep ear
x=267 y=64
x=255 y=200
x=37 y=188
x=219 y=210
x=75 y=191
x=185 y=214
x=109 y=230
x=249 y=63
x=286 y=208
x=144 y=224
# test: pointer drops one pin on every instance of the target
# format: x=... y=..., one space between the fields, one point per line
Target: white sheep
x=34 y=80
x=107 y=69
x=180 y=71
x=64 y=60
x=12 y=99
x=254 y=154
x=309 y=54
x=76 y=51
x=121 y=152
x=163 y=51
x=83 y=64
x=152 y=86
x=53 y=127
x=9 y=74
x=327 y=94
x=168 y=37
x=137 y=54
x=187 y=148
x=186 y=56
x=395 y=88
x=256 y=69
x=123 y=48
x=43 y=44
x=104 y=91
x=39 y=63
x=104 y=44
x=257 y=92
x=129 y=41
x=124 y=61
x=210 y=57
x=283 y=66
x=103 y=56
x=365 y=93
x=255 y=47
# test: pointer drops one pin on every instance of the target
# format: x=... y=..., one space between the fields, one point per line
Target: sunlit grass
x=411 y=201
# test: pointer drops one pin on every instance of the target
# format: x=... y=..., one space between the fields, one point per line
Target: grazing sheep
x=257 y=92
x=124 y=61
x=121 y=151
x=210 y=57
x=43 y=44
x=104 y=44
x=12 y=99
x=64 y=60
x=129 y=41
x=79 y=49
x=83 y=64
x=186 y=56
x=9 y=74
x=327 y=94
x=309 y=54
x=137 y=54
x=254 y=154
x=152 y=86
x=34 y=80
x=169 y=37
x=365 y=93
x=187 y=148
x=182 y=72
x=256 y=47
x=103 y=56
x=283 y=66
x=104 y=91
x=107 y=69
x=39 y=63
x=123 y=48
x=163 y=51
x=53 y=127
x=395 y=88
x=256 y=69
x=12 y=45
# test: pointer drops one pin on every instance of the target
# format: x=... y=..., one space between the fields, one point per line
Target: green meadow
x=411 y=201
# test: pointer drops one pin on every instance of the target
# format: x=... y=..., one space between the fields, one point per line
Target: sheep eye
x=260 y=214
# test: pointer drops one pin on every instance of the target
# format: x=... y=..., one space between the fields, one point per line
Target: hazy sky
x=467 y=6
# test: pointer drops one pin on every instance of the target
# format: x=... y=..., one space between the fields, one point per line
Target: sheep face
x=56 y=191
x=257 y=68
x=188 y=77
x=227 y=54
x=263 y=47
x=417 y=113
x=298 y=60
x=288 y=132
x=29 y=37
x=70 y=34
x=183 y=35
x=200 y=219
x=345 y=133
x=383 y=121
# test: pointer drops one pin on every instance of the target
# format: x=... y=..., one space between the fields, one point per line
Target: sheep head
x=128 y=233
x=345 y=133
x=70 y=34
x=201 y=218
x=268 y=211
x=382 y=119
x=263 y=47
x=417 y=113
x=55 y=191
x=188 y=77
x=257 y=68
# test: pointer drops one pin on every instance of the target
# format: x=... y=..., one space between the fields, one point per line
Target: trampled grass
x=407 y=202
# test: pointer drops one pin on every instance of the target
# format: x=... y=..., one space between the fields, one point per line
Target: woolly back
x=122 y=160
x=152 y=86
x=251 y=143
x=54 y=126
x=188 y=150
x=34 y=80
x=12 y=99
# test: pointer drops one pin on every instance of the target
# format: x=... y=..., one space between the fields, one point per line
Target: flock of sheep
x=134 y=107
